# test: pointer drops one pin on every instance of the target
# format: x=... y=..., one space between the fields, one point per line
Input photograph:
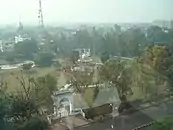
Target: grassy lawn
x=96 y=59
x=88 y=96
x=10 y=76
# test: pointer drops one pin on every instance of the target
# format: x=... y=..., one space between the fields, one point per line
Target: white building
x=20 y=38
x=64 y=104
x=164 y=23
x=68 y=103
x=1 y=46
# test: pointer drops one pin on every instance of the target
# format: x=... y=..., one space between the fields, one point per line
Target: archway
x=65 y=104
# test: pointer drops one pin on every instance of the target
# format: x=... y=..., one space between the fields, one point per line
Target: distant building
x=21 y=38
x=7 y=45
x=172 y=24
x=21 y=35
x=1 y=46
x=68 y=103
x=164 y=23
x=84 y=53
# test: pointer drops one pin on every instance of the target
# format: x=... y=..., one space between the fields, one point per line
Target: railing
x=78 y=111
x=61 y=114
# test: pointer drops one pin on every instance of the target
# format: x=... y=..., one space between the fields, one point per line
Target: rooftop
x=62 y=92
x=106 y=95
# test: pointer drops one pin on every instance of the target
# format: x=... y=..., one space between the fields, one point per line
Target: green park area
x=12 y=77
x=165 y=123
x=140 y=74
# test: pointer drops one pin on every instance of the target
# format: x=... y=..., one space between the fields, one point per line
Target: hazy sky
x=86 y=10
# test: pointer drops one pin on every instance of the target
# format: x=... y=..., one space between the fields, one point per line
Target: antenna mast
x=40 y=15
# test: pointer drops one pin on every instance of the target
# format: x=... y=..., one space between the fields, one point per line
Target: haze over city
x=86 y=65
x=72 y=11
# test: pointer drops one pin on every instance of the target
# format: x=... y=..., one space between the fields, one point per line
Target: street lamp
x=114 y=114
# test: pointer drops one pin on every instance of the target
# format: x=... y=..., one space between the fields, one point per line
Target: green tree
x=81 y=80
x=104 y=57
x=10 y=57
x=4 y=112
x=117 y=28
x=96 y=92
x=156 y=35
x=39 y=90
x=124 y=43
x=156 y=56
x=4 y=108
x=24 y=114
x=44 y=59
x=118 y=73
x=110 y=43
x=74 y=56
x=22 y=109
x=34 y=123
x=82 y=39
x=160 y=59
x=164 y=124
x=133 y=40
x=26 y=48
x=43 y=90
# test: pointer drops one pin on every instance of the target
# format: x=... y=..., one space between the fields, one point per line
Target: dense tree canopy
x=104 y=57
x=164 y=124
x=44 y=59
x=157 y=35
x=159 y=57
x=118 y=73
x=22 y=110
x=81 y=80
x=74 y=56
x=26 y=48
x=43 y=89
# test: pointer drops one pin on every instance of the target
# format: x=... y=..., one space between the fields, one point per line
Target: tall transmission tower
x=40 y=15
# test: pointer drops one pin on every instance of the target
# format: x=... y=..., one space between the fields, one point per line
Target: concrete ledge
x=144 y=125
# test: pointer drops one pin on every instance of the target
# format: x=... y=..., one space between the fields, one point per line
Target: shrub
x=34 y=123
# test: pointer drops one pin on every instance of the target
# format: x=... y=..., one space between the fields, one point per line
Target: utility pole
x=94 y=30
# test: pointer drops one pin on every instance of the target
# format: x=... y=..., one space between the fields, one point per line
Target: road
x=15 y=66
x=134 y=120
x=124 y=58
